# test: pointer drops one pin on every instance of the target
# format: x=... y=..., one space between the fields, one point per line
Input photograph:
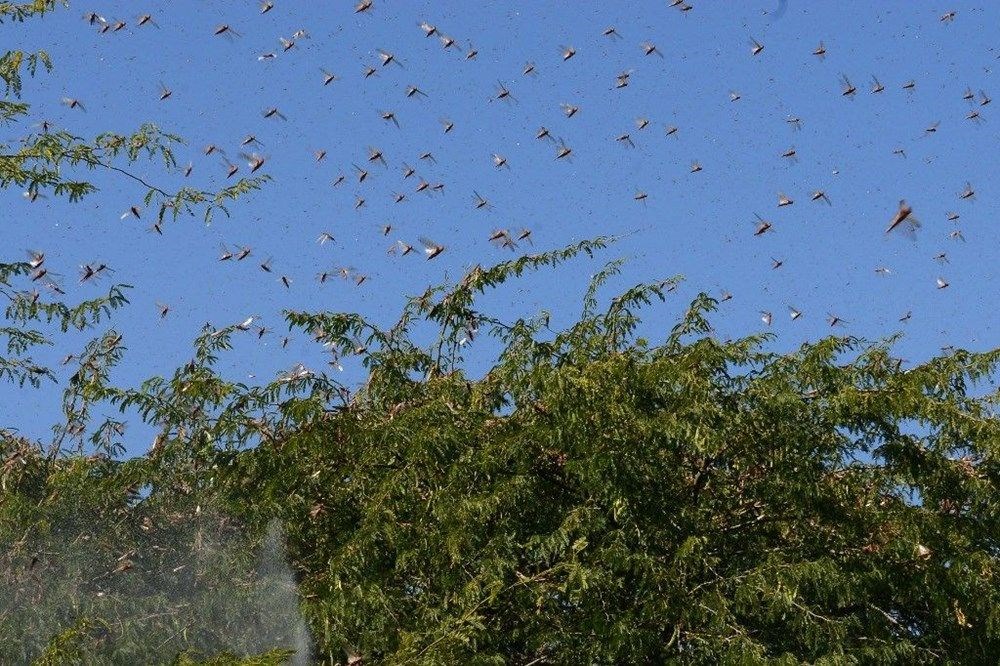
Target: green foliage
x=94 y=573
x=26 y=308
x=38 y=162
x=592 y=498
x=595 y=500
x=12 y=62
x=21 y=11
x=269 y=658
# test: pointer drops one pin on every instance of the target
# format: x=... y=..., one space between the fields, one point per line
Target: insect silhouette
x=375 y=155
x=389 y=116
x=847 y=89
x=388 y=57
x=649 y=48
x=255 y=161
x=503 y=93
x=569 y=110
x=820 y=195
x=431 y=249
x=762 y=226
x=625 y=139
x=401 y=248
x=563 y=151
x=480 y=202
x=502 y=238
x=903 y=219
x=225 y=30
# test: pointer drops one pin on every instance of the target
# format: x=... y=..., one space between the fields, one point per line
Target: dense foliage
x=593 y=497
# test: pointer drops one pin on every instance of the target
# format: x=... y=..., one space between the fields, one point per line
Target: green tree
x=595 y=498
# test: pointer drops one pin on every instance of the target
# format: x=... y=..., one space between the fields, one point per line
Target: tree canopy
x=592 y=498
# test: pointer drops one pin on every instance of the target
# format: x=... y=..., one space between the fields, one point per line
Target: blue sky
x=699 y=225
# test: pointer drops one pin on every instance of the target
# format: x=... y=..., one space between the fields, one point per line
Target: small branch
x=98 y=163
x=130 y=175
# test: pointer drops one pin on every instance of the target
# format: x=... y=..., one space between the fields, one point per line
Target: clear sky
x=700 y=225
